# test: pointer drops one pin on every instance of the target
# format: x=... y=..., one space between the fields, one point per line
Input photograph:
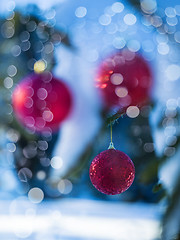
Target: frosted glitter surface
x=112 y=172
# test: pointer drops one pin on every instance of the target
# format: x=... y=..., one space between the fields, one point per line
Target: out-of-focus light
x=149 y=147
x=65 y=186
x=11 y=147
x=105 y=19
x=48 y=48
x=25 y=46
x=56 y=162
x=45 y=162
x=12 y=135
x=10 y=5
x=177 y=9
x=10 y=15
x=42 y=93
x=42 y=145
x=170 y=131
x=116 y=78
x=12 y=71
x=170 y=113
x=172 y=104
x=8 y=82
x=24 y=36
x=173 y=72
x=16 y=50
x=31 y=63
x=172 y=21
x=178 y=101
x=171 y=140
x=36 y=195
x=28 y=102
x=167 y=122
x=50 y=14
x=132 y=111
x=117 y=7
x=177 y=36
x=148 y=6
x=25 y=174
x=29 y=121
x=121 y=92
x=31 y=26
x=9 y=109
x=169 y=151
x=130 y=19
x=41 y=175
x=41 y=121
x=169 y=29
x=80 y=12
x=47 y=116
x=163 y=48
x=133 y=45
x=162 y=38
x=119 y=42
x=156 y=21
x=170 y=12
x=39 y=66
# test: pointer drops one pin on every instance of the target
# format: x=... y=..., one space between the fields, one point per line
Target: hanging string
x=111 y=131
x=111 y=145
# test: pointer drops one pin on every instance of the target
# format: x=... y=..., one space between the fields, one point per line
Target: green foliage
x=24 y=39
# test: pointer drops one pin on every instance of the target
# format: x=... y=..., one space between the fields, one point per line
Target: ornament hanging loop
x=111 y=145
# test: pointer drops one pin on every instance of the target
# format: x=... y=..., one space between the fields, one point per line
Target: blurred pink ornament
x=41 y=101
x=124 y=79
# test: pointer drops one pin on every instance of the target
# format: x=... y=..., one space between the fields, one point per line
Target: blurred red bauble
x=124 y=80
x=112 y=172
x=41 y=101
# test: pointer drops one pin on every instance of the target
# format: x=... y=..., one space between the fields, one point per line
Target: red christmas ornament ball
x=124 y=79
x=41 y=101
x=112 y=172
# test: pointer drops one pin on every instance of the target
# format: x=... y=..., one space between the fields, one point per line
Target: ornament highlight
x=124 y=79
x=41 y=102
x=112 y=172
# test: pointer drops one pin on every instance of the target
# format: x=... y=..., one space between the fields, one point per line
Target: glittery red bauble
x=112 y=172
x=124 y=80
x=41 y=101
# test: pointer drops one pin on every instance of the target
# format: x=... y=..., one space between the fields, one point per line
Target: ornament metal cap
x=111 y=146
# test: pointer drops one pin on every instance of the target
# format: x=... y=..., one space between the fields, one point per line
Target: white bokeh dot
x=36 y=195
x=56 y=162
x=163 y=48
x=117 y=7
x=105 y=19
x=173 y=72
x=65 y=186
x=130 y=19
x=80 y=12
x=132 y=111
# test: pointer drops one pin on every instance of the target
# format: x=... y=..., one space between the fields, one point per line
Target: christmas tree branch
x=110 y=120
